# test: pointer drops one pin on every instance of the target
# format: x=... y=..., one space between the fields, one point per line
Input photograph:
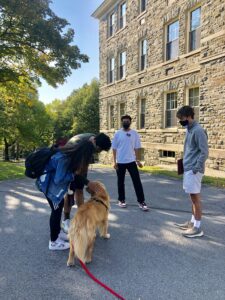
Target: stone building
x=156 y=56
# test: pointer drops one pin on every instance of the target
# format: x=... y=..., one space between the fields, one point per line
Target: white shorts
x=192 y=182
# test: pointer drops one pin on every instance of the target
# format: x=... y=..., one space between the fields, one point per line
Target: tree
x=78 y=113
x=25 y=123
x=35 y=43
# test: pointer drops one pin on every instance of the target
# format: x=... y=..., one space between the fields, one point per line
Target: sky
x=78 y=14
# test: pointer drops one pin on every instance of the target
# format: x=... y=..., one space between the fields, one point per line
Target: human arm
x=114 y=159
x=137 y=150
x=202 y=144
x=114 y=147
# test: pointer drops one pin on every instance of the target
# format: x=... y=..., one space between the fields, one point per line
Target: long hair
x=80 y=155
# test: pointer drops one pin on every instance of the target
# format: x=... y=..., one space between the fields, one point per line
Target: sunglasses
x=128 y=134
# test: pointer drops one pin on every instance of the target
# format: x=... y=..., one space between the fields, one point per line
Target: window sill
x=171 y=61
x=168 y=159
x=121 y=80
x=142 y=72
x=191 y=53
x=120 y=30
x=142 y=14
x=110 y=84
x=170 y=129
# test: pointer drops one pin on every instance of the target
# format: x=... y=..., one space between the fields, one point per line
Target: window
x=122 y=19
x=167 y=153
x=111 y=65
x=143 y=54
x=111 y=117
x=194 y=100
x=111 y=24
x=121 y=111
x=172 y=44
x=122 y=65
x=142 y=5
x=195 y=29
x=171 y=109
x=142 y=113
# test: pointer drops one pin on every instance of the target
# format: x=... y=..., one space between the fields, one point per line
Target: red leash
x=99 y=282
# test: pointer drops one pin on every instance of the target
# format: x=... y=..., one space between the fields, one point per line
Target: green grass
x=213 y=181
x=11 y=170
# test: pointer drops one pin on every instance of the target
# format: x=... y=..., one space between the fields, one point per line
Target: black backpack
x=36 y=161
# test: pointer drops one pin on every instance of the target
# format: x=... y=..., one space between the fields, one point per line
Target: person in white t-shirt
x=126 y=146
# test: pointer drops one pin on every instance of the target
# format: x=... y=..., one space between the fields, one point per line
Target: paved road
x=146 y=257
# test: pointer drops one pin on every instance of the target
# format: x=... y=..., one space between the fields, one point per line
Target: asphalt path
x=146 y=257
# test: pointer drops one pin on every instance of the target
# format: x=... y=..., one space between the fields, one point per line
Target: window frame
x=174 y=110
x=111 y=26
x=111 y=72
x=197 y=31
x=142 y=8
x=170 y=43
x=111 y=119
x=121 y=66
x=188 y=100
x=120 y=114
x=122 y=17
x=143 y=57
x=141 y=114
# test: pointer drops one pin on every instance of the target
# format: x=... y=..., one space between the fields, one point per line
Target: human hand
x=140 y=165
x=115 y=166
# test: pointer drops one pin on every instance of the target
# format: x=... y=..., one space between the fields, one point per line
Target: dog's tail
x=80 y=243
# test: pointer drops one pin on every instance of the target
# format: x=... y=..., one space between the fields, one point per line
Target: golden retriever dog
x=90 y=216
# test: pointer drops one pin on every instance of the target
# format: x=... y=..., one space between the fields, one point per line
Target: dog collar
x=100 y=201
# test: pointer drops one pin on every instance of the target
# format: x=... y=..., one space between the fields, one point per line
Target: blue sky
x=78 y=14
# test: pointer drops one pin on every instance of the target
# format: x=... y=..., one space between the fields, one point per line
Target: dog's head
x=101 y=193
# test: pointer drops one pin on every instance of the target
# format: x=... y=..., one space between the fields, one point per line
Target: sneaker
x=63 y=236
x=122 y=204
x=185 y=226
x=65 y=225
x=58 y=245
x=193 y=232
x=143 y=206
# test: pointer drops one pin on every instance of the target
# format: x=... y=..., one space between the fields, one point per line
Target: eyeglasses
x=128 y=134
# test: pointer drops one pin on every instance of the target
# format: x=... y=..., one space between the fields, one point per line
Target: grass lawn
x=214 y=181
x=11 y=170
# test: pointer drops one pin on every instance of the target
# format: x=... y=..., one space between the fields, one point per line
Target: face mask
x=126 y=125
x=184 y=123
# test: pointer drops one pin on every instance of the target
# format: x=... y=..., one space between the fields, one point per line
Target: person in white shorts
x=195 y=155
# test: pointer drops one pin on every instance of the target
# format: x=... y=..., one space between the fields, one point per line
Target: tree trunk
x=6 y=150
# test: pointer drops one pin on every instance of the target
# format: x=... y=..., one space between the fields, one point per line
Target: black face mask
x=184 y=123
x=126 y=125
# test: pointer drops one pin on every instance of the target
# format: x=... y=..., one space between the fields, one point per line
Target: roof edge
x=100 y=11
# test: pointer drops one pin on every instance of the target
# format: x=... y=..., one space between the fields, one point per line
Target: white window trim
x=119 y=114
x=140 y=52
x=164 y=112
x=108 y=27
x=119 y=65
x=119 y=15
x=188 y=28
x=165 y=39
x=139 y=113
x=108 y=70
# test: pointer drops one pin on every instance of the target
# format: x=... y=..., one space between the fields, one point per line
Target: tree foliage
x=35 y=42
x=78 y=113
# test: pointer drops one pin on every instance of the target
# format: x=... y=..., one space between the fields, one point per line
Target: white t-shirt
x=124 y=142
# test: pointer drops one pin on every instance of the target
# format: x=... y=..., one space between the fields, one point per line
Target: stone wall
x=204 y=67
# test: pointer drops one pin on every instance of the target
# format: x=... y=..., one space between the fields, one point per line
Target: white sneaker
x=63 y=236
x=65 y=225
x=58 y=245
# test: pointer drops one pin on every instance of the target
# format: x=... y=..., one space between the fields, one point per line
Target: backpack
x=36 y=161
